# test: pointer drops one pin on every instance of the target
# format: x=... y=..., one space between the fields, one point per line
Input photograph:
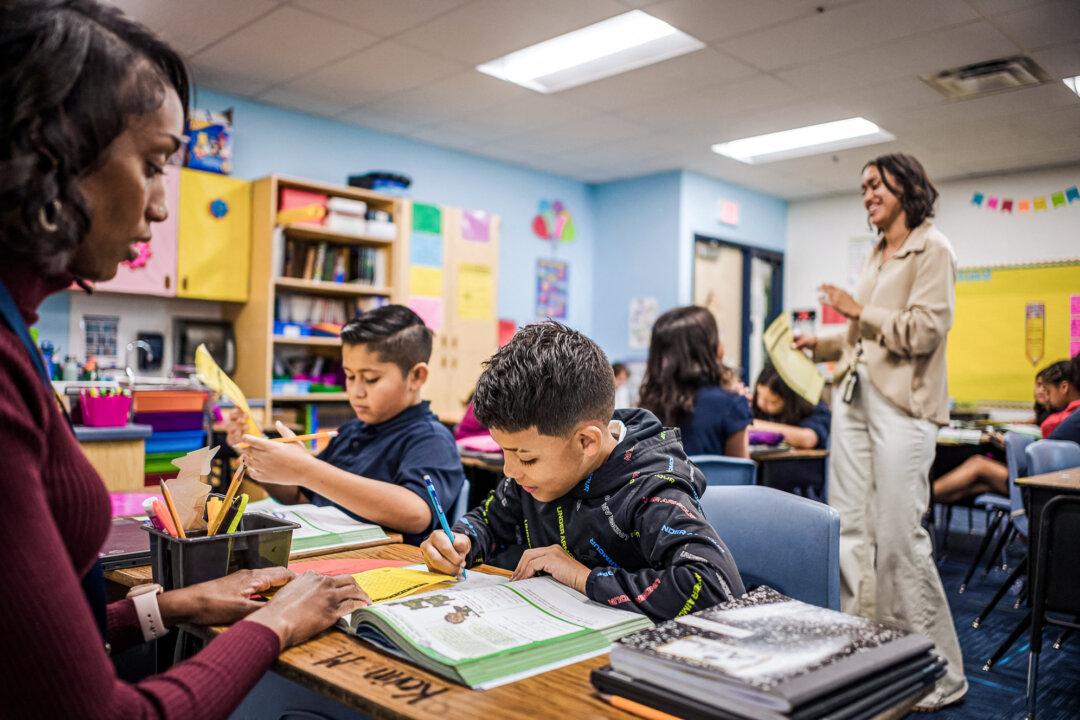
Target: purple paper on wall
x=475 y=225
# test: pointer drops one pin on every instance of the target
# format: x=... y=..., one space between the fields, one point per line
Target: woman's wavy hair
x=72 y=74
x=916 y=193
x=682 y=359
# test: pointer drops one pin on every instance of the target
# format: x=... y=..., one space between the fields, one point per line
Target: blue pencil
x=441 y=516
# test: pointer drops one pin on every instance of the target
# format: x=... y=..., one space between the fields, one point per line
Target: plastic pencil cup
x=260 y=541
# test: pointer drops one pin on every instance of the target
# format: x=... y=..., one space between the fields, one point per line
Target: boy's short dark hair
x=548 y=377
x=395 y=332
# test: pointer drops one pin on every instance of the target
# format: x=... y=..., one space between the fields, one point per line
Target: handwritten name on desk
x=404 y=684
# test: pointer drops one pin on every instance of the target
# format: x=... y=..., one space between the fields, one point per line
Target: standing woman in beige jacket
x=886 y=409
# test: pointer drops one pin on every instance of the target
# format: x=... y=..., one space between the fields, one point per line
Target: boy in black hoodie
x=608 y=506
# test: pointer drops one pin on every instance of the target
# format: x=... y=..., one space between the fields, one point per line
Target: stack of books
x=766 y=656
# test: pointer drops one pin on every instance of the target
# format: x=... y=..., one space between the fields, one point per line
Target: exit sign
x=729 y=212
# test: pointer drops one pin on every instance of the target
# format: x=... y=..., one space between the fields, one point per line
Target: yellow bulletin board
x=1002 y=312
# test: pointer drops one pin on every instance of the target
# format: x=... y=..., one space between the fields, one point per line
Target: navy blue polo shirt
x=718 y=414
x=401 y=450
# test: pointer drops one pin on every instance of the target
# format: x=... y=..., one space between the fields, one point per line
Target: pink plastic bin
x=106 y=411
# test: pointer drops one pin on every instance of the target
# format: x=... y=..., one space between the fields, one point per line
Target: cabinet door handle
x=168 y=281
x=183 y=282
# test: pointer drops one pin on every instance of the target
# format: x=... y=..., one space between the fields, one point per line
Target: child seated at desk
x=1062 y=393
x=778 y=408
x=603 y=500
x=375 y=468
x=687 y=385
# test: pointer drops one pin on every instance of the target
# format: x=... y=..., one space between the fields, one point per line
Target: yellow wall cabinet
x=214 y=250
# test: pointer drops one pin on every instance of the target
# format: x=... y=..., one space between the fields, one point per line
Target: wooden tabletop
x=1067 y=480
x=771 y=454
x=484 y=463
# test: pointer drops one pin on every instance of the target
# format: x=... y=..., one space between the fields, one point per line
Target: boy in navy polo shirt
x=374 y=469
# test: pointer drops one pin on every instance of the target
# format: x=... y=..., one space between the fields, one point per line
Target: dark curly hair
x=72 y=73
x=796 y=407
x=394 y=332
x=682 y=360
x=916 y=193
x=548 y=377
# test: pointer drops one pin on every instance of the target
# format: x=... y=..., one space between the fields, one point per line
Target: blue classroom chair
x=461 y=504
x=787 y=542
x=723 y=470
x=1046 y=456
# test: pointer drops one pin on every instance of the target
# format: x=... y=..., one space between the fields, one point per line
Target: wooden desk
x=1040 y=489
x=771 y=454
x=482 y=462
x=801 y=472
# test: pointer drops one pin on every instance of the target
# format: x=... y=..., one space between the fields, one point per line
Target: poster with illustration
x=552 y=289
x=643 y=312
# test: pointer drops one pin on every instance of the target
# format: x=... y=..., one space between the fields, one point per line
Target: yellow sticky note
x=476 y=292
x=425 y=280
x=389 y=583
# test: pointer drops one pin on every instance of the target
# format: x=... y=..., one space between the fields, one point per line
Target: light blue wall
x=637 y=225
x=273 y=140
x=52 y=321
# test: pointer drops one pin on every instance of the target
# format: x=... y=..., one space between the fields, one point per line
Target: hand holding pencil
x=282 y=461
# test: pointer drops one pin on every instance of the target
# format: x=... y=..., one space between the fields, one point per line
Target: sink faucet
x=127 y=357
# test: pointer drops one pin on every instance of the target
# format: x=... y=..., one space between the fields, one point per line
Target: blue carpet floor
x=999 y=693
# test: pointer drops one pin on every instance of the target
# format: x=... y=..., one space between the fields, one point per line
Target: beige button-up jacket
x=907 y=310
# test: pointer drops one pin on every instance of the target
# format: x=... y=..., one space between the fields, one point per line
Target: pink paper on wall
x=992 y=203
x=1074 y=305
x=475 y=225
x=830 y=316
x=430 y=310
x=1074 y=348
x=1074 y=328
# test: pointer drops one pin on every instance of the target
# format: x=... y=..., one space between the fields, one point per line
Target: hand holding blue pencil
x=441 y=516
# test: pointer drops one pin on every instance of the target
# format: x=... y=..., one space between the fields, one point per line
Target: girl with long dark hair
x=778 y=408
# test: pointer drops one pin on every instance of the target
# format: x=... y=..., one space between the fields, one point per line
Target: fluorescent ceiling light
x=809 y=140
x=607 y=48
x=1073 y=84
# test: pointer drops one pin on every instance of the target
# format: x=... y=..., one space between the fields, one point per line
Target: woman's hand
x=805 y=341
x=309 y=604
x=222 y=601
x=276 y=463
x=841 y=300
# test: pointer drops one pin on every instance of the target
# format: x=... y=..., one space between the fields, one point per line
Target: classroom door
x=718 y=286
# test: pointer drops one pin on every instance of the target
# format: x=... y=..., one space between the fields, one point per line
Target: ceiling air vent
x=988 y=77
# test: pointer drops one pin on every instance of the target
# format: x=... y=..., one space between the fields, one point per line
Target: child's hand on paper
x=222 y=601
x=276 y=463
x=553 y=561
x=441 y=556
x=235 y=426
x=309 y=604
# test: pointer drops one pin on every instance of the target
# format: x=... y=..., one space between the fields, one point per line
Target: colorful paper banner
x=997 y=203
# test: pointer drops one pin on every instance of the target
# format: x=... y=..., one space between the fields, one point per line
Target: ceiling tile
x=194 y=24
x=710 y=20
x=997 y=7
x=278 y=46
x=395 y=125
x=1061 y=61
x=380 y=17
x=446 y=138
x=376 y=72
x=295 y=100
x=845 y=28
x=487 y=29
x=450 y=98
x=1042 y=25
x=531 y=112
x=577 y=136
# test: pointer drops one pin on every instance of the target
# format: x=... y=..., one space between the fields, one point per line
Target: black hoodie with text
x=636 y=522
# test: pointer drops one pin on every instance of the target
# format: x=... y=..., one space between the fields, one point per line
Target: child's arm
x=495 y=521
x=690 y=568
x=795 y=436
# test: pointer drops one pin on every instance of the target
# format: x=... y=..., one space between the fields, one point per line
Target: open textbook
x=322 y=529
x=797 y=370
x=487 y=632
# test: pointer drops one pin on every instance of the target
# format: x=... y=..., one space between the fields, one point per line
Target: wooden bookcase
x=254 y=321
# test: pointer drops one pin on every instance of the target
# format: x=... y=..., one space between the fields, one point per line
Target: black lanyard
x=93 y=583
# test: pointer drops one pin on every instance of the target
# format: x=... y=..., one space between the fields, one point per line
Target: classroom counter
x=131 y=431
x=117 y=453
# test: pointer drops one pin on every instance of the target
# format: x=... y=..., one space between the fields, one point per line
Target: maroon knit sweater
x=54 y=516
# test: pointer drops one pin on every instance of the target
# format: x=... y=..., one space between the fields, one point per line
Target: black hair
x=618 y=367
x=72 y=72
x=916 y=193
x=796 y=407
x=548 y=377
x=394 y=332
x=1059 y=372
x=682 y=360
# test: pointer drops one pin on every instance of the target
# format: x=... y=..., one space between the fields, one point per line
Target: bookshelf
x=273 y=253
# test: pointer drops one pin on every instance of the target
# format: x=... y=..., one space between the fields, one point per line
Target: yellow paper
x=425 y=280
x=476 y=292
x=212 y=376
x=389 y=583
x=797 y=370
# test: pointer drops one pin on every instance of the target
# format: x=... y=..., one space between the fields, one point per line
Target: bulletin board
x=1010 y=322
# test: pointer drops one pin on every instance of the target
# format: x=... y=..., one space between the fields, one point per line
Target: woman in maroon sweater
x=93 y=106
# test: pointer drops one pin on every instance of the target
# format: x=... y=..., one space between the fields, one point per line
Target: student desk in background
x=1040 y=489
x=484 y=471
x=801 y=472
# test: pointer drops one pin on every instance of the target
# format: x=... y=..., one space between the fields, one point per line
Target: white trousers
x=879 y=468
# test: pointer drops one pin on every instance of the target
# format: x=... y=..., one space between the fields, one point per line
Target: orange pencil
x=162 y=514
x=215 y=524
x=167 y=494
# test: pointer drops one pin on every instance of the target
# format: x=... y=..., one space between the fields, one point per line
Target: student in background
x=1069 y=428
x=93 y=107
x=778 y=408
x=469 y=425
x=604 y=500
x=374 y=469
x=1062 y=394
x=687 y=386
x=622 y=385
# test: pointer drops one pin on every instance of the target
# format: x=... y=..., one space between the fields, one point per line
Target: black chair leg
x=998 y=548
x=1062 y=638
x=1004 y=646
x=1032 y=681
x=1022 y=596
x=998 y=514
x=1000 y=594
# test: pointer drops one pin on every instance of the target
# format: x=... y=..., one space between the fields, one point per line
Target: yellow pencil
x=171 y=506
x=294 y=438
x=227 y=502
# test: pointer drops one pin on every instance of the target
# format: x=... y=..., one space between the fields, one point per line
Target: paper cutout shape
x=992 y=203
x=212 y=376
x=977 y=199
x=430 y=310
x=1006 y=206
x=1039 y=203
x=798 y=371
x=1024 y=206
x=553 y=222
x=188 y=489
x=1058 y=199
x=475 y=225
x=1072 y=193
x=425 y=281
x=426 y=249
x=427 y=218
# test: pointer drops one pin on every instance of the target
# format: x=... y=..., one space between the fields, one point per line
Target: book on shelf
x=325 y=262
x=485 y=633
x=765 y=655
x=322 y=529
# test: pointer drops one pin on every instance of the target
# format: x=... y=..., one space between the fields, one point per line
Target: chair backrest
x=1045 y=456
x=723 y=470
x=461 y=503
x=1054 y=584
x=1016 y=461
x=781 y=540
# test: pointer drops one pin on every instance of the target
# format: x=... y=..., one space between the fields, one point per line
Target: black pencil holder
x=261 y=541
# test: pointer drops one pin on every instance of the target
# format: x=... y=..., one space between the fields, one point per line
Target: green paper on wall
x=1058 y=199
x=427 y=218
